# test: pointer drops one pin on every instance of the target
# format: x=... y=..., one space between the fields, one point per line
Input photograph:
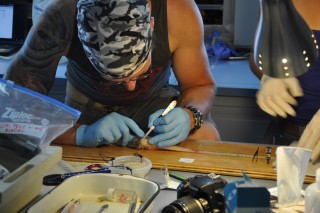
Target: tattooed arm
x=49 y=39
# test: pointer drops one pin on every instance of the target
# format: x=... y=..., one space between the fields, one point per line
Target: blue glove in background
x=171 y=129
x=222 y=51
x=107 y=130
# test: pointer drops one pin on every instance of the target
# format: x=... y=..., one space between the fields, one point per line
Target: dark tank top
x=83 y=76
x=309 y=103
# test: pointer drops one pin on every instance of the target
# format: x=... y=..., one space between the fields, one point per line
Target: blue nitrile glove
x=222 y=51
x=107 y=130
x=171 y=129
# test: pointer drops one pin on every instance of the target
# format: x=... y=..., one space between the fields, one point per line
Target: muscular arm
x=190 y=61
x=35 y=65
x=69 y=137
x=309 y=12
x=49 y=39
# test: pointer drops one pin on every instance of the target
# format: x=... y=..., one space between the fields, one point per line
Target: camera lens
x=187 y=204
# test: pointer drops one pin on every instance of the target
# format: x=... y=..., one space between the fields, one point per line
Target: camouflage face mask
x=115 y=34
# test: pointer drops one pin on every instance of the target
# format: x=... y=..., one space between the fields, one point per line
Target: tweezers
x=255 y=155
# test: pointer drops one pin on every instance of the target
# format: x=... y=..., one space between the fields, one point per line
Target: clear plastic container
x=215 y=38
x=121 y=196
x=312 y=197
x=137 y=167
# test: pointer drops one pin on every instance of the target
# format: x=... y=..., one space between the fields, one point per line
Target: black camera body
x=199 y=194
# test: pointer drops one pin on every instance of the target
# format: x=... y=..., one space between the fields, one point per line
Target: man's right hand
x=107 y=130
x=276 y=96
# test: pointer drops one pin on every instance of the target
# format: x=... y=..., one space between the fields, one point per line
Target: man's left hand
x=171 y=129
x=310 y=138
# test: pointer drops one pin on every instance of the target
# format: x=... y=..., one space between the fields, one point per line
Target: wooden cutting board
x=224 y=158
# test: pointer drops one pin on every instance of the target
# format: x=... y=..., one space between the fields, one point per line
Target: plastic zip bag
x=30 y=121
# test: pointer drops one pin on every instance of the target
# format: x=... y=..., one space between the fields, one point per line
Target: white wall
x=245 y=21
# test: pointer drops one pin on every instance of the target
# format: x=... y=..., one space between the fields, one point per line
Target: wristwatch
x=197 y=115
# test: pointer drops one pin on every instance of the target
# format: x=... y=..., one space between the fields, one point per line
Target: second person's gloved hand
x=170 y=129
x=276 y=96
x=310 y=138
x=107 y=130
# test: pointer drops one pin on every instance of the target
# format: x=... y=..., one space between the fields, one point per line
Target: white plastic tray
x=140 y=167
x=87 y=188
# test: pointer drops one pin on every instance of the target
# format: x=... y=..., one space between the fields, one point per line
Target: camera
x=201 y=193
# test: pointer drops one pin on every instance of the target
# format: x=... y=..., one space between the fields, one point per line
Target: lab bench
x=220 y=160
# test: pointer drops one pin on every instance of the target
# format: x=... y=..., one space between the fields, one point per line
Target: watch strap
x=197 y=115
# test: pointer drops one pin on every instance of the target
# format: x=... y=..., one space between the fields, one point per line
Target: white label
x=186 y=160
x=23 y=129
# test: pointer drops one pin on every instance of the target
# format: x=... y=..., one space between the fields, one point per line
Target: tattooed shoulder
x=52 y=33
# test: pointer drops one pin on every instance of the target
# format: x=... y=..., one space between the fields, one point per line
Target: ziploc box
x=245 y=197
x=29 y=122
x=24 y=183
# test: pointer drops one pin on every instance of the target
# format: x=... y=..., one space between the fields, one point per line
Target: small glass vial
x=312 y=197
x=121 y=195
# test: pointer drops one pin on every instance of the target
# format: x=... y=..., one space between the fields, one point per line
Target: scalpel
x=168 y=109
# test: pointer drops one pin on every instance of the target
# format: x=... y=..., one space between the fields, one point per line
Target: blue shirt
x=309 y=103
